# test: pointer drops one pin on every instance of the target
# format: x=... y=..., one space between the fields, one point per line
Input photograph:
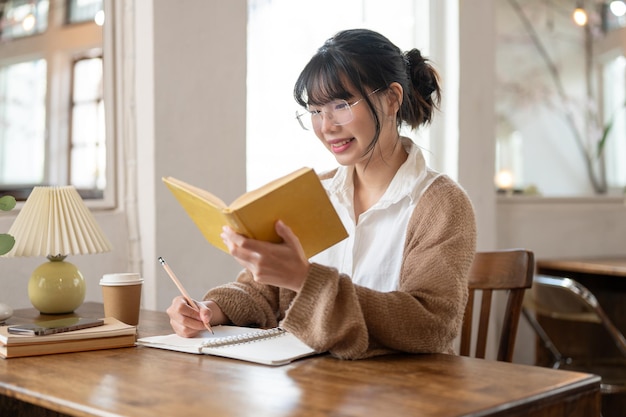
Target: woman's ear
x=394 y=98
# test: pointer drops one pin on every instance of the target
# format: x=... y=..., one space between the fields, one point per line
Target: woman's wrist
x=217 y=315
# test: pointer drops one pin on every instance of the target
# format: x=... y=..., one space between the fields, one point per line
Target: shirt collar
x=405 y=183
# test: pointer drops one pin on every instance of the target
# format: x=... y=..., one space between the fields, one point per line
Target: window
x=87 y=149
x=614 y=77
x=82 y=11
x=20 y=18
x=52 y=121
x=22 y=122
x=285 y=34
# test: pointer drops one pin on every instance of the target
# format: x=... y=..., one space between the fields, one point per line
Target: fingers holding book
x=280 y=264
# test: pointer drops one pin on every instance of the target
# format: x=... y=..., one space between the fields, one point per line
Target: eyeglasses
x=339 y=112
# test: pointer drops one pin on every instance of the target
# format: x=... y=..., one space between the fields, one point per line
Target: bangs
x=321 y=81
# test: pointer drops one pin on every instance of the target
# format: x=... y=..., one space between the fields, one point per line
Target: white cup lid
x=126 y=278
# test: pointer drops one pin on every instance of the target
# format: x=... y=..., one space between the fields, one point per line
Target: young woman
x=398 y=282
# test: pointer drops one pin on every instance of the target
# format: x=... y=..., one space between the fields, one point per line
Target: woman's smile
x=340 y=145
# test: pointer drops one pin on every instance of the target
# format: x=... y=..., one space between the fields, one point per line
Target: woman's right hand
x=189 y=322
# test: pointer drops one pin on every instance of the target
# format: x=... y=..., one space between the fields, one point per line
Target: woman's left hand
x=280 y=264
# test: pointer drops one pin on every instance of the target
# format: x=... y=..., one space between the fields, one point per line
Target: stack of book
x=113 y=334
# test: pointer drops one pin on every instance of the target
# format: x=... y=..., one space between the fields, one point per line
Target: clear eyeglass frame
x=339 y=112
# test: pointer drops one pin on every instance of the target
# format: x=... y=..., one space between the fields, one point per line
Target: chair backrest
x=508 y=270
x=566 y=299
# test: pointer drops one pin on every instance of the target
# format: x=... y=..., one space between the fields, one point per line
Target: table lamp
x=54 y=222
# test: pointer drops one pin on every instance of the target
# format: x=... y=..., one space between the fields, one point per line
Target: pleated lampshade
x=54 y=222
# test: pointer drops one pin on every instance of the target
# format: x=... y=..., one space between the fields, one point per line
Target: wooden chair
x=505 y=270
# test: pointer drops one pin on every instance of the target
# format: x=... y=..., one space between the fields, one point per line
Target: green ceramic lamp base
x=56 y=287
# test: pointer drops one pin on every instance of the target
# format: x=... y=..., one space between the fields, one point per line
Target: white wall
x=191 y=110
x=476 y=114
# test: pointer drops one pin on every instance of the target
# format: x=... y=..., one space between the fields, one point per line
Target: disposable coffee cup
x=121 y=293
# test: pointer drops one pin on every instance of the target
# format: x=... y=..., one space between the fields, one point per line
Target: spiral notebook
x=265 y=346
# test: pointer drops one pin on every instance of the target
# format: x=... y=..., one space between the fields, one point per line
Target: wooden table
x=143 y=381
x=604 y=267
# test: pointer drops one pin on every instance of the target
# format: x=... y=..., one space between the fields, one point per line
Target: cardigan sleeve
x=424 y=315
x=248 y=303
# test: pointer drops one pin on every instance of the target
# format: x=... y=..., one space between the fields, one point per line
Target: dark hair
x=368 y=61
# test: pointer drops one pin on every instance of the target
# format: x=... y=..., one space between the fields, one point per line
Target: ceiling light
x=29 y=22
x=99 y=18
x=580 y=16
x=618 y=8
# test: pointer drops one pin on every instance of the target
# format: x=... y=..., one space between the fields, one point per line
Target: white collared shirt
x=372 y=253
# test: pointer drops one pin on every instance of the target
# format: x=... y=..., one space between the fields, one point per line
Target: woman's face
x=349 y=142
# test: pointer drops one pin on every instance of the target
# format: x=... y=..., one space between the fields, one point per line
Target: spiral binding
x=244 y=338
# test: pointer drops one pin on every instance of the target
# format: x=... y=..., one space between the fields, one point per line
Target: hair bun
x=421 y=72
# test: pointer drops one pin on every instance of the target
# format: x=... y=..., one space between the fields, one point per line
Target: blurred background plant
x=7 y=241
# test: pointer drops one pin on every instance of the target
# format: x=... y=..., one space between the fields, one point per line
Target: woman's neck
x=373 y=175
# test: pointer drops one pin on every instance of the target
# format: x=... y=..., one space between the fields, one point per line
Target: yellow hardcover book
x=298 y=199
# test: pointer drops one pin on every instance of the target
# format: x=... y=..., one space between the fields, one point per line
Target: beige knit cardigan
x=332 y=314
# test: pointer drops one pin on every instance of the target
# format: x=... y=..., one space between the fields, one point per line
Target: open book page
x=208 y=215
x=269 y=347
x=203 y=194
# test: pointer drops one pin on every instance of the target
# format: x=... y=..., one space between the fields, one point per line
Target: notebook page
x=274 y=347
x=195 y=344
x=277 y=350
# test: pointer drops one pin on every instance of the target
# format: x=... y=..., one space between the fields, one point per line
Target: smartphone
x=42 y=328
